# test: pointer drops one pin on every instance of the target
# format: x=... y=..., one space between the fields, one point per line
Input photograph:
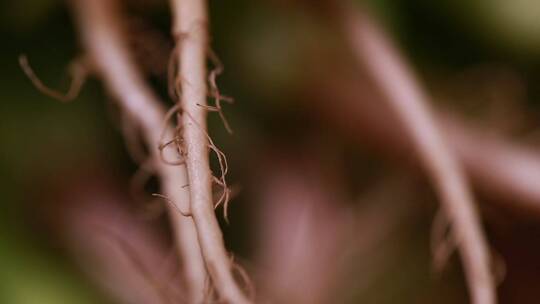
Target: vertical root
x=410 y=104
x=223 y=167
x=190 y=30
x=100 y=26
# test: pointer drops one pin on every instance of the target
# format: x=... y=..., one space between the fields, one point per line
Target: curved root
x=77 y=69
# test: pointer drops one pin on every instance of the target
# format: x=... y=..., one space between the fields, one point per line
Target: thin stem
x=102 y=37
x=190 y=29
x=408 y=100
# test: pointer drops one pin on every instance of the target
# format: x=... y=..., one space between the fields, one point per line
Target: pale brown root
x=211 y=295
x=223 y=169
x=221 y=181
x=77 y=70
x=190 y=29
x=409 y=102
x=104 y=40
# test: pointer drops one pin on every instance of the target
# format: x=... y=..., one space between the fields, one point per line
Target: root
x=411 y=106
x=190 y=31
x=174 y=81
x=77 y=70
x=223 y=166
x=103 y=37
x=174 y=86
x=175 y=92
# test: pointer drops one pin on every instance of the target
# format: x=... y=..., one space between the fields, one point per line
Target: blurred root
x=410 y=105
x=78 y=70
